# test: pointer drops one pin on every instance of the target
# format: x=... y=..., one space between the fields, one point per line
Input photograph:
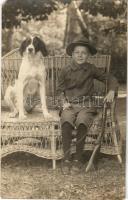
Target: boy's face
x=80 y=54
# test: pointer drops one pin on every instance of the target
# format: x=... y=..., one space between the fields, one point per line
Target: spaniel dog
x=31 y=78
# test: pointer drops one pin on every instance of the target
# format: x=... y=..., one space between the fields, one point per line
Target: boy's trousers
x=81 y=118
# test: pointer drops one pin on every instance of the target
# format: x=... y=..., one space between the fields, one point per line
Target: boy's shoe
x=65 y=167
x=77 y=167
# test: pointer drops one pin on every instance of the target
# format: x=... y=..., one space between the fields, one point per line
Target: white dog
x=31 y=78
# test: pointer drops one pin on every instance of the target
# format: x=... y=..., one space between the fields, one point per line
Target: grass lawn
x=29 y=177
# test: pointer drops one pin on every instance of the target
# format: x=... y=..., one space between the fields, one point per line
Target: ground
x=29 y=177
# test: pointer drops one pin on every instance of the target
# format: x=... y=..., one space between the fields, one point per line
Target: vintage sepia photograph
x=63 y=99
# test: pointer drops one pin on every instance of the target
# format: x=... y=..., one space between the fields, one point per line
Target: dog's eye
x=28 y=41
x=35 y=41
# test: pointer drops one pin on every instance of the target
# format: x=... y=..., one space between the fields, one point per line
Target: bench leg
x=119 y=158
x=117 y=146
x=54 y=164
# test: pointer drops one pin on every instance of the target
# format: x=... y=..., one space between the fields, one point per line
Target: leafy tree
x=15 y=11
x=105 y=23
x=111 y=8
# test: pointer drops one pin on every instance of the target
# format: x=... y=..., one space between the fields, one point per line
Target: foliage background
x=24 y=176
x=57 y=22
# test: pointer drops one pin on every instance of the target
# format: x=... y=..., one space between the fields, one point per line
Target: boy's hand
x=110 y=96
x=66 y=105
x=64 y=102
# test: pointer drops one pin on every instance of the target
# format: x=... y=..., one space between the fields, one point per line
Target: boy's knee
x=84 y=118
x=67 y=125
x=67 y=117
x=82 y=126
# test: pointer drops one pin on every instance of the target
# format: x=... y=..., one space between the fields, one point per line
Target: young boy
x=75 y=84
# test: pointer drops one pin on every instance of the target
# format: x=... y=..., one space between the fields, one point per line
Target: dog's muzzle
x=30 y=50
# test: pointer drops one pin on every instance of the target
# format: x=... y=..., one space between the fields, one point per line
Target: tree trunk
x=81 y=21
x=72 y=29
x=75 y=24
x=7 y=41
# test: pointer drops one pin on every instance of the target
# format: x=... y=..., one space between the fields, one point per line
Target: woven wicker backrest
x=11 y=63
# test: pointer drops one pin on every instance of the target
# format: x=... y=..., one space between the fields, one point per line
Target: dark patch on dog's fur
x=40 y=46
x=24 y=45
x=37 y=43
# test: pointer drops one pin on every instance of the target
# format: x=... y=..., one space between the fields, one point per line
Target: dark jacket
x=78 y=80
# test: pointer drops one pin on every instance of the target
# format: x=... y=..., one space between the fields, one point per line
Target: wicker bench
x=43 y=138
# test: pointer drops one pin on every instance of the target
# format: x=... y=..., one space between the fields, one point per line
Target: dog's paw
x=13 y=115
x=25 y=112
x=47 y=116
x=22 y=116
x=55 y=118
x=50 y=117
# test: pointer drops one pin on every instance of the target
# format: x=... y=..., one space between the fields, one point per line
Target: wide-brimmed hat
x=80 y=41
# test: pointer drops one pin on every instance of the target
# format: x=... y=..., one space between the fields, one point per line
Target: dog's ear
x=42 y=47
x=22 y=47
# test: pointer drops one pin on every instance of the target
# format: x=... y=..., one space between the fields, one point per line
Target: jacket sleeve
x=61 y=82
x=99 y=74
